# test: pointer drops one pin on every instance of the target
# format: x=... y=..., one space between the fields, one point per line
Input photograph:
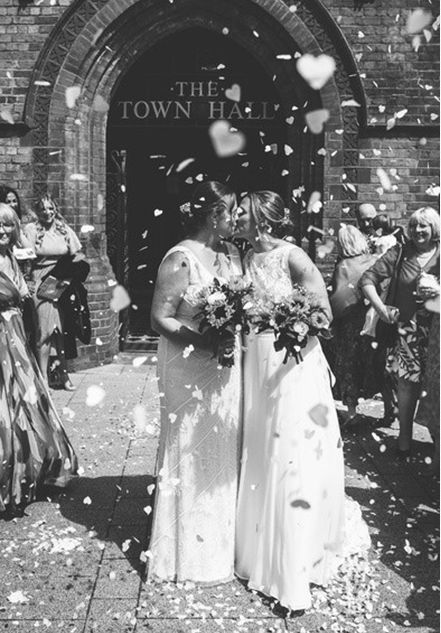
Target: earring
x=214 y=223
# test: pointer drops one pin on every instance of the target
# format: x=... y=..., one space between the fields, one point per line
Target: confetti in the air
x=418 y=20
x=233 y=93
x=72 y=93
x=316 y=119
x=94 y=395
x=120 y=299
x=316 y=70
x=226 y=142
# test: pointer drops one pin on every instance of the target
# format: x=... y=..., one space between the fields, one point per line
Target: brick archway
x=96 y=42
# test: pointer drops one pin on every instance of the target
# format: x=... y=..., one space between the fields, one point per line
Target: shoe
x=68 y=386
x=388 y=419
x=402 y=455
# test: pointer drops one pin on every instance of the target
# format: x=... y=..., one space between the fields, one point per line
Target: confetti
x=314 y=203
x=233 y=93
x=316 y=70
x=6 y=115
x=185 y=163
x=384 y=179
x=319 y=415
x=418 y=20
x=71 y=95
x=100 y=104
x=316 y=119
x=120 y=299
x=18 y=597
x=94 y=395
x=300 y=503
x=225 y=141
x=87 y=228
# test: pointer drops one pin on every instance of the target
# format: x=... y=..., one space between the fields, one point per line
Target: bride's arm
x=305 y=273
x=171 y=285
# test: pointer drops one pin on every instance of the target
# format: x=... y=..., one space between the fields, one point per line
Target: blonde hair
x=429 y=215
x=8 y=216
x=352 y=242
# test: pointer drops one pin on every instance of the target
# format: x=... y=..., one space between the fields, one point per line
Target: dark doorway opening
x=159 y=117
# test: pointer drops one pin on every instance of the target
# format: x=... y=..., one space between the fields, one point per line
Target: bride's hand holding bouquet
x=223 y=307
x=294 y=320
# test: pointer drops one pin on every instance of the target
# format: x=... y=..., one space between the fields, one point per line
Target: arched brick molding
x=96 y=41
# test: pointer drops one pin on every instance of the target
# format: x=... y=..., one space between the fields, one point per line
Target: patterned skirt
x=409 y=356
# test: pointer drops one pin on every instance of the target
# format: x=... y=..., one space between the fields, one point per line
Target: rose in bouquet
x=223 y=313
x=294 y=320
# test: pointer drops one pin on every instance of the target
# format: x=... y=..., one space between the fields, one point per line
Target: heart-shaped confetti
x=316 y=119
x=100 y=104
x=94 y=395
x=418 y=20
x=225 y=141
x=233 y=93
x=319 y=415
x=6 y=115
x=316 y=70
x=314 y=203
x=71 y=94
x=120 y=299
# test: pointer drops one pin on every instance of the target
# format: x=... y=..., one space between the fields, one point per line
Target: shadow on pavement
x=118 y=510
x=401 y=507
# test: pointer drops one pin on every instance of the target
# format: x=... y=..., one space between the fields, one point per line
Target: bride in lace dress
x=290 y=516
x=198 y=455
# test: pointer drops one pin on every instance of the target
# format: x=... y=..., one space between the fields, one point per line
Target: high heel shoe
x=402 y=455
x=68 y=386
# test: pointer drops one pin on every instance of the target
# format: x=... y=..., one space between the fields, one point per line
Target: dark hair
x=270 y=213
x=5 y=190
x=207 y=197
x=382 y=223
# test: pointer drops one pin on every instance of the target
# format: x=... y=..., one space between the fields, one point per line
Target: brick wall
x=394 y=77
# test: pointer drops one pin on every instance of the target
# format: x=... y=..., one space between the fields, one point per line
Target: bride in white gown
x=290 y=516
x=198 y=455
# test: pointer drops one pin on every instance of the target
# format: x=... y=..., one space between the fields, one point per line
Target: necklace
x=425 y=257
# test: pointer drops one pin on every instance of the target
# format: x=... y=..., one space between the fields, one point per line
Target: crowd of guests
x=250 y=477
x=385 y=332
x=43 y=309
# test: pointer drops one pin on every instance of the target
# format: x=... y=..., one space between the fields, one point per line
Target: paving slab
x=76 y=563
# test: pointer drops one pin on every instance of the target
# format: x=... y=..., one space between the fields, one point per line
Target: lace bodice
x=269 y=273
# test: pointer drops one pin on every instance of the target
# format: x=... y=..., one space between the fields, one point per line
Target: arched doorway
x=158 y=127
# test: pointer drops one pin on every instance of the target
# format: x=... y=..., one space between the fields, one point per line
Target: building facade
x=106 y=105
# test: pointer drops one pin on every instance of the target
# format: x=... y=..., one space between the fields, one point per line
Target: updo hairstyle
x=207 y=197
x=270 y=213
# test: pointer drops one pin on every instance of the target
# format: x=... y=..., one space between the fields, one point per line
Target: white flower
x=301 y=329
x=216 y=297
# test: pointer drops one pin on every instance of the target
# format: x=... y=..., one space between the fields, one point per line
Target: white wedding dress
x=291 y=504
x=198 y=455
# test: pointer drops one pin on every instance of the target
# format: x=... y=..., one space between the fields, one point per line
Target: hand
x=389 y=314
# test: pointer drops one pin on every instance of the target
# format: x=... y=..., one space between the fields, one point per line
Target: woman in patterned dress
x=420 y=255
x=34 y=449
x=197 y=465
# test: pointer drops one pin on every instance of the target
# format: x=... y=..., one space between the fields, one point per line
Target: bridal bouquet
x=294 y=320
x=223 y=308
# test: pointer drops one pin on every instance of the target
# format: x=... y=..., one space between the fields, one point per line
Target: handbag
x=386 y=333
x=51 y=288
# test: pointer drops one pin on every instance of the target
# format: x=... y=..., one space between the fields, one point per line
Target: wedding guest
x=403 y=265
x=359 y=371
x=197 y=464
x=11 y=197
x=290 y=514
x=429 y=406
x=365 y=213
x=34 y=449
x=51 y=238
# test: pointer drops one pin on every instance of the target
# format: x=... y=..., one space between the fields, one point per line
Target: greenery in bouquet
x=223 y=308
x=294 y=320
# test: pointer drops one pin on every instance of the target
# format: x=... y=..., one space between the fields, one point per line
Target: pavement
x=76 y=563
